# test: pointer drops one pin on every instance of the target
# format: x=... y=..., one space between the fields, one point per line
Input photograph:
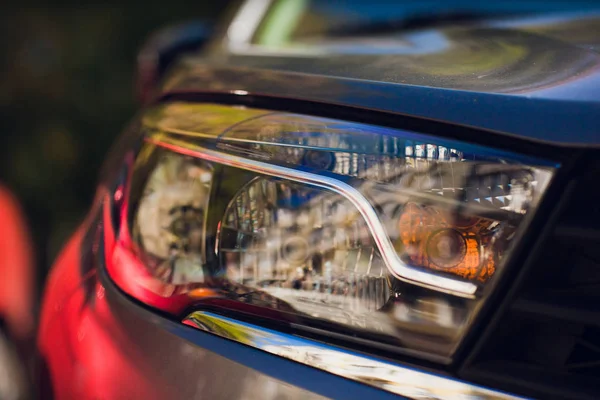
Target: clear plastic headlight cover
x=367 y=234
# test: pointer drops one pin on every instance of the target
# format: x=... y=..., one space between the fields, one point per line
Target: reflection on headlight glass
x=305 y=253
x=307 y=247
x=169 y=223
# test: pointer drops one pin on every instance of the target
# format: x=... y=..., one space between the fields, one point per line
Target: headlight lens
x=326 y=226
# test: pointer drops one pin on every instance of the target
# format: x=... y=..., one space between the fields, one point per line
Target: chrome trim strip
x=393 y=262
x=401 y=380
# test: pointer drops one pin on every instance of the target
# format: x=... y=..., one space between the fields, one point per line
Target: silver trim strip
x=393 y=262
x=401 y=380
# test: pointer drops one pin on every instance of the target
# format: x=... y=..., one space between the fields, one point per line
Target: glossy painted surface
x=538 y=79
x=16 y=269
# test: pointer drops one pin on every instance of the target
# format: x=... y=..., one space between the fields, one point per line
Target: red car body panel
x=86 y=353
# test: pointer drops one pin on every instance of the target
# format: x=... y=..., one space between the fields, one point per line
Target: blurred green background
x=66 y=91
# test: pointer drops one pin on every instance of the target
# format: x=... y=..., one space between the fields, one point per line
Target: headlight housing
x=370 y=235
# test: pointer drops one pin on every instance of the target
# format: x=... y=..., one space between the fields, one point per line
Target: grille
x=547 y=343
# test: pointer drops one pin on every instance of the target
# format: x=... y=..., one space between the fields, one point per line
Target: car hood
x=535 y=77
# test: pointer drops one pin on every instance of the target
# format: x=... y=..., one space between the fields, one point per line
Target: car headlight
x=330 y=228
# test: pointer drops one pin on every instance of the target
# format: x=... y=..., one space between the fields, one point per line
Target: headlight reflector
x=323 y=225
